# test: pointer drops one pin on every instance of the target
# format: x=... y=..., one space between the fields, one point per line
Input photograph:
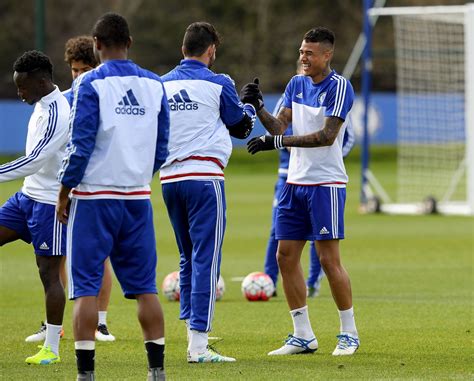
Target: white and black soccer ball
x=171 y=290
x=257 y=286
x=220 y=288
x=170 y=286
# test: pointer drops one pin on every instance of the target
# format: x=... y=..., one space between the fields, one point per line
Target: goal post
x=434 y=48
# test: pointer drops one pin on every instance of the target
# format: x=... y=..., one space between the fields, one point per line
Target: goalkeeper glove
x=265 y=143
x=251 y=93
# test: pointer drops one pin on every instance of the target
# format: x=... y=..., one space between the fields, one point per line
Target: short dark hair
x=80 y=48
x=34 y=61
x=320 y=34
x=198 y=37
x=111 y=29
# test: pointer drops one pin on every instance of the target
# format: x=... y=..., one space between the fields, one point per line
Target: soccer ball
x=220 y=288
x=258 y=286
x=170 y=286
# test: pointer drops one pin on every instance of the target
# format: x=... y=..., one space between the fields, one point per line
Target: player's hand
x=62 y=205
x=264 y=143
x=251 y=93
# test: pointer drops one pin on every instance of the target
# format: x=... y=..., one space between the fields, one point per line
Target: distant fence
x=14 y=116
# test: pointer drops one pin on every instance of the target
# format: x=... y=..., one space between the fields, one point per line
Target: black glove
x=264 y=143
x=243 y=129
x=251 y=93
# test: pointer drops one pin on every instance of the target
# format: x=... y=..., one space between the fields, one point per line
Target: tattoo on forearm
x=273 y=125
x=322 y=138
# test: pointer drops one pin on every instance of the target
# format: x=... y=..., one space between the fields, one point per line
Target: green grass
x=412 y=281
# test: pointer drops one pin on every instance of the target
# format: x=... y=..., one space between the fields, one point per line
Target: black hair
x=80 y=48
x=111 y=29
x=34 y=61
x=320 y=34
x=198 y=37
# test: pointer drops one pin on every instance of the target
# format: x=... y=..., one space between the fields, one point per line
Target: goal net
x=435 y=104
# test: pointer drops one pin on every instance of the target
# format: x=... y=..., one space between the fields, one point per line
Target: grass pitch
x=412 y=281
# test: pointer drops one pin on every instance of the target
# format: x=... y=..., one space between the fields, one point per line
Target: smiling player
x=311 y=205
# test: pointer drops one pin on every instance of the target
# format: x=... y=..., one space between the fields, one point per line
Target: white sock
x=301 y=325
x=160 y=341
x=52 y=337
x=103 y=317
x=197 y=341
x=86 y=345
x=348 y=322
x=188 y=330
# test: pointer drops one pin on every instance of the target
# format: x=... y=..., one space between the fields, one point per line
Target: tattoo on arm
x=322 y=138
x=278 y=125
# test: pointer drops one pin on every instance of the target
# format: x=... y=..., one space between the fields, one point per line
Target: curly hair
x=34 y=61
x=80 y=48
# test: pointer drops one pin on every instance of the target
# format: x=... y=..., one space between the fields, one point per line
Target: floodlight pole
x=366 y=84
x=39 y=25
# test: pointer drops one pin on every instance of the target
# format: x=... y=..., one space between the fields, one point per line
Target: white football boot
x=102 y=333
x=209 y=355
x=296 y=345
x=347 y=344
x=39 y=335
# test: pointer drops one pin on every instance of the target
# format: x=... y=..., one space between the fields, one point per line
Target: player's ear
x=329 y=53
x=326 y=56
x=211 y=50
x=183 y=51
x=129 y=42
x=97 y=44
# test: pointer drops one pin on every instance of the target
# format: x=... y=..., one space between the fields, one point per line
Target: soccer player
x=316 y=273
x=79 y=55
x=29 y=214
x=311 y=205
x=205 y=112
x=119 y=138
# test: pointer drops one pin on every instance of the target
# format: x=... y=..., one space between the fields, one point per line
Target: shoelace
x=298 y=342
x=42 y=328
x=213 y=350
x=346 y=341
x=102 y=328
x=44 y=348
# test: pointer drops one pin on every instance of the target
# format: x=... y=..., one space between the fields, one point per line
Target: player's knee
x=280 y=256
x=331 y=266
x=49 y=275
x=285 y=259
x=323 y=259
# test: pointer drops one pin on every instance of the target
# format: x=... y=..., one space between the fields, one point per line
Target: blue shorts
x=119 y=229
x=310 y=213
x=35 y=222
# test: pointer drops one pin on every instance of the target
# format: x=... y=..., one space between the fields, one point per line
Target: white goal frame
x=373 y=188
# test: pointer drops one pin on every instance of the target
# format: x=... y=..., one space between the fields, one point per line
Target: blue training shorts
x=119 y=229
x=310 y=213
x=35 y=222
